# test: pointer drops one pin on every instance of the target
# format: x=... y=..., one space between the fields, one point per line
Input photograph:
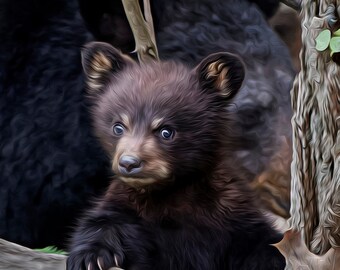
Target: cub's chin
x=138 y=182
x=146 y=182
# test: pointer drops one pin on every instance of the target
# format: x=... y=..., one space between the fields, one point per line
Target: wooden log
x=16 y=257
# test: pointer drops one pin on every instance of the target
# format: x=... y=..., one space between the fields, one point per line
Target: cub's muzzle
x=129 y=165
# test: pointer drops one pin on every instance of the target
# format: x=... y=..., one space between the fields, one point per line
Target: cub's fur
x=177 y=200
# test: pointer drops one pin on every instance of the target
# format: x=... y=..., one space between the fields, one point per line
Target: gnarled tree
x=315 y=205
x=315 y=188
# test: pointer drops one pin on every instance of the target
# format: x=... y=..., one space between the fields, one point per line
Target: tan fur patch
x=219 y=72
x=100 y=64
x=125 y=121
x=127 y=145
x=155 y=168
x=156 y=158
x=155 y=124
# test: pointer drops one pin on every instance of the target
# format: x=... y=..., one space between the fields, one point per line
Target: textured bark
x=315 y=201
x=299 y=257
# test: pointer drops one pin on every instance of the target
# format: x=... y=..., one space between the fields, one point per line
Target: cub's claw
x=100 y=263
x=100 y=260
x=89 y=267
x=116 y=263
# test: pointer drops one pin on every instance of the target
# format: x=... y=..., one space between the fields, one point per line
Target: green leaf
x=51 y=249
x=322 y=40
x=337 y=33
x=334 y=44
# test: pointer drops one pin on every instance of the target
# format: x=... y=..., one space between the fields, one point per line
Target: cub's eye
x=167 y=133
x=118 y=129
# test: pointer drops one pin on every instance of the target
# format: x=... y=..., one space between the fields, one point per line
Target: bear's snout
x=129 y=165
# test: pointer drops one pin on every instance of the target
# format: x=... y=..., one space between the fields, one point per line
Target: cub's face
x=160 y=121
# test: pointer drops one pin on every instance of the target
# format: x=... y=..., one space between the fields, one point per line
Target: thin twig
x=142 y=31
x=149 y=19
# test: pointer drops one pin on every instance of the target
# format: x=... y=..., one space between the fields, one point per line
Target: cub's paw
x=94 y=260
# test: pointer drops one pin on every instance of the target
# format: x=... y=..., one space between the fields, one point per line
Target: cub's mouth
x=138 y=182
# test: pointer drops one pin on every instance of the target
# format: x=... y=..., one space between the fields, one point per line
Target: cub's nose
x=129 y=165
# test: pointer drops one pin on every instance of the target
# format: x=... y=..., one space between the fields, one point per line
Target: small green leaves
x=334 y=45
x=337 y=33
x=327 y=39
x=51 y=249
x=323 y=40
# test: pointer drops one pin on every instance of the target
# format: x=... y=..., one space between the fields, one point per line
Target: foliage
x=51 y=250
x=326 y=39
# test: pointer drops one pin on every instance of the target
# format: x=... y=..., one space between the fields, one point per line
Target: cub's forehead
x=153 y=79
x=150 y=92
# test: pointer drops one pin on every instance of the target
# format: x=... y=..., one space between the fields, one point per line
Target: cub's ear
x=100 y=61
x=222 y=72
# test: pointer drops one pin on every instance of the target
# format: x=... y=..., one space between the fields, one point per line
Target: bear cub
x=176 y=201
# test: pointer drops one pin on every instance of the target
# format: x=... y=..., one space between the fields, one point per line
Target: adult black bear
x=176 y=201
x=50 y=164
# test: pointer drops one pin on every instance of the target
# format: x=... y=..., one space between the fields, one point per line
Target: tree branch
x=149 y=20
x=142 y=29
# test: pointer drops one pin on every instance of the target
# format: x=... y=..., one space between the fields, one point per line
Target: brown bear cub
x=175 y=202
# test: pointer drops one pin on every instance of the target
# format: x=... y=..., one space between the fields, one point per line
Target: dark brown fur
x=205 y=203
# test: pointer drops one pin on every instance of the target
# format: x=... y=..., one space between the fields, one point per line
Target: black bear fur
x=50 y=163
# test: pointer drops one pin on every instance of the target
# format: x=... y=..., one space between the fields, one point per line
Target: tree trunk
x=315 y=191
